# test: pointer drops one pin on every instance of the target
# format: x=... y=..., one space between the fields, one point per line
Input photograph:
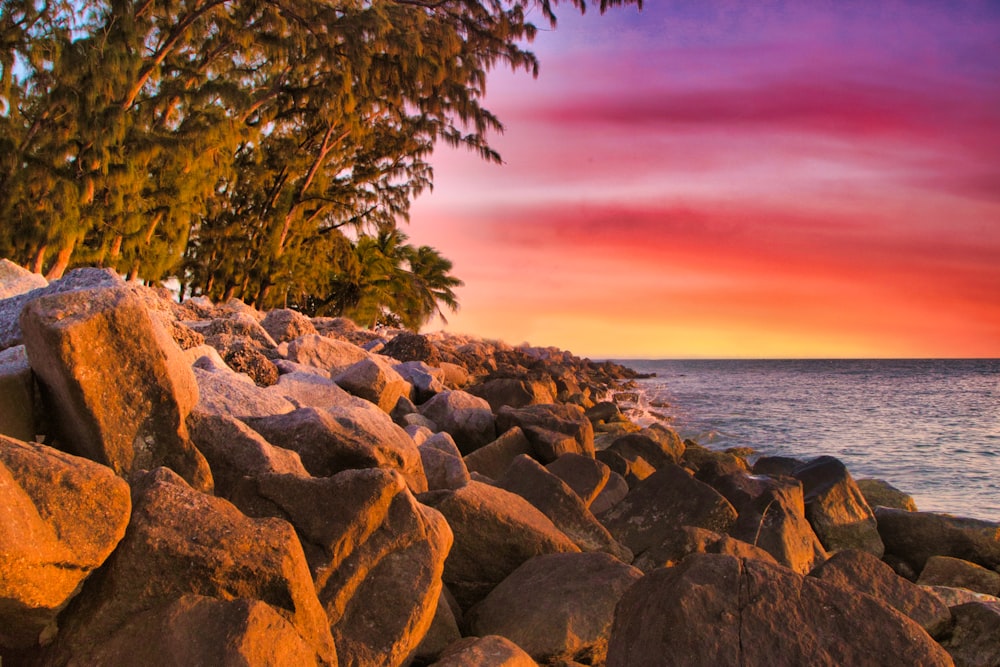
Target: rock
x=198 y=630
x=248 y=360
x=879 y=492
x=835 y=507
x=455 y=376
x=374 y=380
x=235 y=451
x=864 y=572
x=696 y=457
x=603 y=412
x=60 y=518
x=15 y=279
x=586 y=476
x=528 y=479
x=633 y=468
x=338 y=439
x=408 y=346
x=637 y=445
x=17 y=395
x=661 y=504
x=308 y=390
x=180 y=542
x=492 y=460
x=495 y=532
x=914 y=537
x=116 y=384
x=721 y=610
x=240 y=324
x=467 y=418
x=565 y=419
x=690 y=540
x=327 y=354
x=376 y=556
x=548 y=445
x=973 y=641
x=775 y=466
x=668 y=440
x=613 y=493
x=442 y=633
x=952 y=597
x=284 y=325
x=489 y=651
x=427 y=381
x=443 y=464
x=225 y=392
x=958 y=573
x=514 y=392
x=557 y=606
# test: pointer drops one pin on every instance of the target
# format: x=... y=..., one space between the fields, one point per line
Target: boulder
x=492 y=459
x=514 y=392
x=337 y=439
x=557 y=606
x=225 y=392
x=17 y=395
x=376 y=557
x=668 y=440
x=528 y=479
x=603 y=412
x=442 y=633
x=374 y=380
x=115 y=383
x=864 y=572
x=198 y=630
x=566 y=419
x=958 y=573
x=973 y=641
x=836 y=508
x=234 y=324
x=15 y=279
x=661 y=504
x=284 y=325
x=776 y=466
x=247 y=359
x=327 y=354
x=632 y=467
x=467 y=418
x=443 y=464
x=308 y=390
x=613 y=493
x=586 y=476
x=696 y=457
x=180 y=542
x=879 y=492
x=495 y=532
x=952 y=597
x=720 y=610
x=548 y=445
x=408 y=346
x=427 y=381
x=913 y=537
x=455 y=376
x=489 y=651
x=638 y=445
x=60 y=518
x=690 y=540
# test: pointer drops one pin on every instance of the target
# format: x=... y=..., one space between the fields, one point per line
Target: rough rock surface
x=973 y=641
x=914 y=537
x=958 y=573
x=690 y=540
x=15 y=279
x=719 y=610
x=467 y=418
x=224 y=392
x=284 y=325
x=557 y=606
x=18 y=409
x=489 y=651
x=326 y=354
x=374 y=380
x=514 y=392
x=879 y=492
x=586 y=476
x=560 y=418
x=836 y=508
x=492 y=460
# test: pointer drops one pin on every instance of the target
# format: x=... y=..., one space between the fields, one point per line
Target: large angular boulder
x=442 y=633
x=488 y=651
x=60 y=518
x=614 y=492
x=337 y=439
x=880 y=492
x=408 y=346
x=374 y=380
x=15 y=279
x=17 y=395
x=836 y=508
x=309 y=390
x=586 y=476
x=720 y=610
x=376 y=557
x=427 y=381
x=180 y=542
x=528 y=479
x=467 y=418
x=864 y=572
x=515 y=392
x=557 y=606
x=973 y=640
x=492 y=460
x=327 y=354
x=443 y=464
x=495 y=532
x=958 y=573
x=116 y=383
x=661 y=504
x=690 y=540
x=913 y=537
x=566 y=419
x=639 y=445
x=284 y=324
x=222 y=391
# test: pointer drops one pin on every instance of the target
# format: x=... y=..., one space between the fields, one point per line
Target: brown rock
x=528 y=479
x=720 y=610
x=632 y=467
x=973 y=641
x=864 y=572
x=15 y=279
x=240 y=323
x=879 y=492
x=427 y=381
x=308 y=390
x=179 y=542
x=586 y=476
x=455 y=376
x=247 y=359
x=514 y=392
x=376 y=557
x=467 y=418
x=916 y=536
x=60 y=518
x=566 y=419
x=557 y=606
x=548 y=445
x=374 y=380
x=695 y=457
x=284 y=325
x=409 y=346
x=603 y=412
x=225 y=392
x=958 y=573
x=495 y=531
x=661 y=504
x=330 y=441
x=690 y=540
x=492 y=460
x=835 y=507
x=443 y=464
x=952 y=597
x=442 y=633
x=17 y=395
x=327 y=354
x=637 y=445
x=489 y=651
x=115 y=382
x=613 y=493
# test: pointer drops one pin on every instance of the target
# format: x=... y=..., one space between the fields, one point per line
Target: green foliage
x=240 y=145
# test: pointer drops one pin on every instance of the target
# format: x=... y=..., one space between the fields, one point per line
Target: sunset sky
x=728 y=179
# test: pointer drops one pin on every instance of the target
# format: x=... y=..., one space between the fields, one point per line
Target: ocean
x=930 y=428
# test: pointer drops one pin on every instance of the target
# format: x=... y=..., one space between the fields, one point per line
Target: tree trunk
x=38 y=261
x=61 y=263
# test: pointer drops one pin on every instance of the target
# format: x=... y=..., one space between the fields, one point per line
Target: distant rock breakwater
x=198 y=483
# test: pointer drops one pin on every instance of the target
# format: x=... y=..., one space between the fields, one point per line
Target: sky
x=737 y=179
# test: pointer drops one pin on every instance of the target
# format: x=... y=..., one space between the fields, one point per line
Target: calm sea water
x=929 y=427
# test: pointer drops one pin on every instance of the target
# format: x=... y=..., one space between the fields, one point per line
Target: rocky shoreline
x=201 y=483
